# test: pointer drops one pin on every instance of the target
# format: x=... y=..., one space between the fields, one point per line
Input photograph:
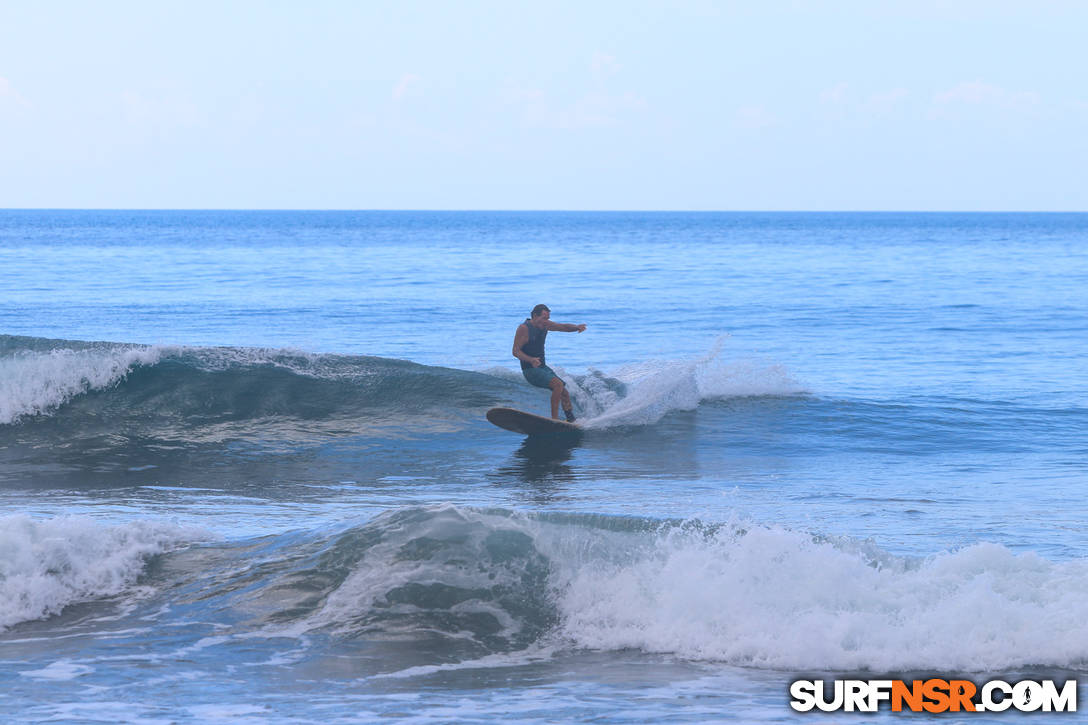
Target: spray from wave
x=643 y=393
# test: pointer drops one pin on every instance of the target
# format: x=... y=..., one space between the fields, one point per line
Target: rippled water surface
x=245 y=471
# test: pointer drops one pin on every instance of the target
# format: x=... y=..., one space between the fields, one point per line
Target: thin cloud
x=598 y=107
x=592 y=110
x=406 y=87
x=755 y=117
x=978 y=93
x=834 y=95
x=887 y=102
x=161 y=110
x=604 y=65
x=8 y=92
x=841 y=103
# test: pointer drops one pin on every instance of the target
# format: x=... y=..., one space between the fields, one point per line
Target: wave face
x=82 y=414
x=212 y=393
x=474 y=582
x=120 y=394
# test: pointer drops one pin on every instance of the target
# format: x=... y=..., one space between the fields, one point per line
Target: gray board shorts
x=540 y=377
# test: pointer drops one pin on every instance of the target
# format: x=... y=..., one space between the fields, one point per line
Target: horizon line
x=551 y=211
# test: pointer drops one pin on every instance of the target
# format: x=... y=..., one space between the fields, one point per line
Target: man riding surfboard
x=529 y=349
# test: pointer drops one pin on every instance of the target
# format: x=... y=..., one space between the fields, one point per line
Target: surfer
x=529 y=349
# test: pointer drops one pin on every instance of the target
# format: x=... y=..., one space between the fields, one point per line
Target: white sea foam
x=643 y=393
x=781 y=599
x=300 y=362
x=230 y=713
x=528 y=656
x=45 y=565
x=59 y=670
x=35 y=383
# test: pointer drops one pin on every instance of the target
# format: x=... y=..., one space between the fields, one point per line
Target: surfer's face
x=543 y=317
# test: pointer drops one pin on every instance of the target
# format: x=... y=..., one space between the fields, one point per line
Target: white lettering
x=993 y=696
x=856 y=695
x=836 y=702
x=880 y=691
x=1027 y=696
x=988 y=696
x=804 y=695
x=1064 y=701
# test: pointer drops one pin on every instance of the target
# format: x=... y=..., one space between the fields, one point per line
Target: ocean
x=245 y=474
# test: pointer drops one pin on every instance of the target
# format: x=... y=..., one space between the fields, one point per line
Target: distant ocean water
x=245 y=473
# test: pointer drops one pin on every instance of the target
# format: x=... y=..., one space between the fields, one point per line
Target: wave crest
x=46 y=565
x=37 y=382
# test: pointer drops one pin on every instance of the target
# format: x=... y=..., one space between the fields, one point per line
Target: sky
x=757 y=105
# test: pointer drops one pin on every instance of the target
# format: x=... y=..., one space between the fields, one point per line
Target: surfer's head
x=539 y=310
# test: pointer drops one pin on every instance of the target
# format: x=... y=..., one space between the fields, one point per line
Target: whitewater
x=245 y=473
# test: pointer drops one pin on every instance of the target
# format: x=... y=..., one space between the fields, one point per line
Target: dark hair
x=538 y=309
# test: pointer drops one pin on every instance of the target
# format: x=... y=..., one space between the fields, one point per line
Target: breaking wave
x=47 y=565
x=163 y=387
x=476 y=582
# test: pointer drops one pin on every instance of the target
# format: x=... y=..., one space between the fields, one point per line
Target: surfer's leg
x=559 y=392
x=568 y=410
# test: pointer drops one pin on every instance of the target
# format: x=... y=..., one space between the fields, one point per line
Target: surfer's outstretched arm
x=562 y=327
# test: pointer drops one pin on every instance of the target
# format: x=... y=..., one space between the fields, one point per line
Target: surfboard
x=519 y=421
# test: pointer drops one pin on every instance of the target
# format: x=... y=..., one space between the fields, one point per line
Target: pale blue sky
x=547 y=105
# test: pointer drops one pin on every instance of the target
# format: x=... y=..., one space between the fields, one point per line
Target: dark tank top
x=535 y=346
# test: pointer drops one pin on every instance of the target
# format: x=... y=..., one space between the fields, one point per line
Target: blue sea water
x=245 y=473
